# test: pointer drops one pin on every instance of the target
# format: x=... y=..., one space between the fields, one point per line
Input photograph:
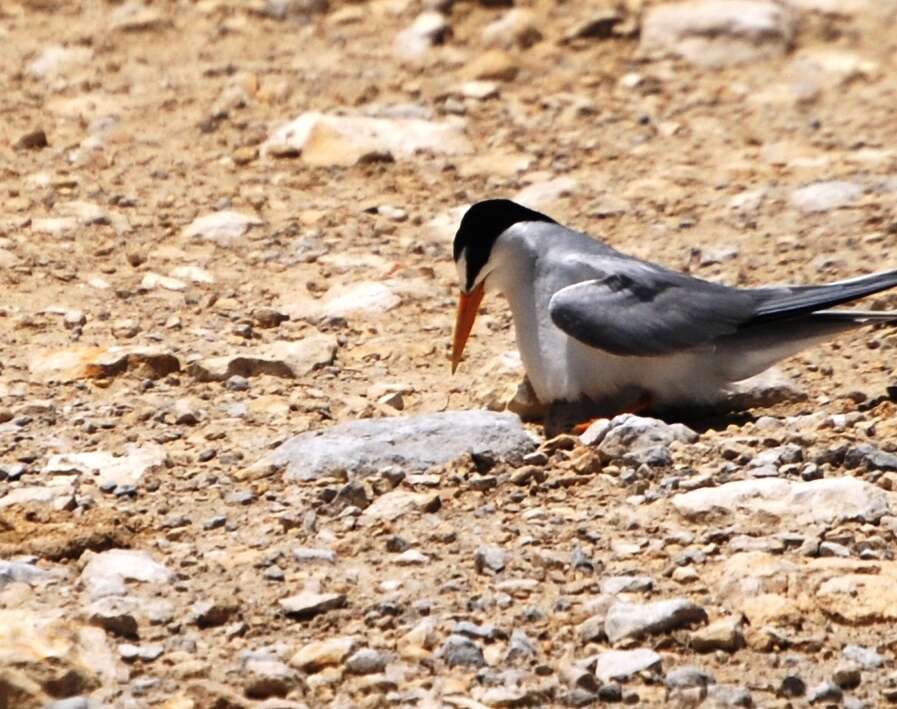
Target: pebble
x=825 y=196
x=723 y=634
x=307 y=604
x=626 y=584
x=824 y=692
x=414 y=42
x=619 y=665
x=866 y=658
x=688 y=677
x=488 y=557
x=459 y=651
x=224 y=228
x=367 y=661
x=324 y=653
x=867 y=456
x=711 y=34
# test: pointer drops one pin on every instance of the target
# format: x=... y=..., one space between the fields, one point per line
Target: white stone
x=826 y=501
x=127 y=564
x=223 y=227
x=825 y=196
x=710 y=33
x=615 y=665
x=542 y=194
x=56 y=60
x=326 y=139
x=428 y=29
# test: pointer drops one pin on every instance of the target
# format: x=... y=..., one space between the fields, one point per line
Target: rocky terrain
x=234 y=468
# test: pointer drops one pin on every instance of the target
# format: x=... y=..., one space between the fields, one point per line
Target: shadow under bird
x=601 y=333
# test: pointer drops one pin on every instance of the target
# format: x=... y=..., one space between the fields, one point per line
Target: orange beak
x=468 y=305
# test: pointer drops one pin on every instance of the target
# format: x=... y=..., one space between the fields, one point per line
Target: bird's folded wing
x=635 y=309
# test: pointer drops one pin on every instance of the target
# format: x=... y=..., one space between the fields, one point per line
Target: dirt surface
x=156 y=115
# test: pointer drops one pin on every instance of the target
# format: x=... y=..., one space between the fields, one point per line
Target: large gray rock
x=826 y=501
x=413 y=443
x=710 y=33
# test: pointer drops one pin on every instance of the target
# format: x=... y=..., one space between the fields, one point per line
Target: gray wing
x=634 y=308
x=631 y=308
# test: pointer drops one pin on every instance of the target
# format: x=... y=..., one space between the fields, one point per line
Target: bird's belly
x=575 y=371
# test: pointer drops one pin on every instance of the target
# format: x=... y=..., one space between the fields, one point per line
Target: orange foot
x=642 y=403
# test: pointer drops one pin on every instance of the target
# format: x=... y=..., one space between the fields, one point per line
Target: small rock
x=518 y=27
x=713 y=34
x=792 y=686
x=626 y=584
x=619 y=665
x=114 y=615
x=493 y=558
x=212 y=613
x=825 y=196
x=458 y=651
x=824 y=692
x=495 y=64
x=265 y=677
x=626 y=434
x=847 y=676
x=428 y=29
x=324 y=653
x=866 y=658
x=367 y=661
x=867 y=456
x=520 y=647
x=33 y=140
x=632 y=620
x=224 y=228
x=307 y=605
x=682 y=677
x=724 y=634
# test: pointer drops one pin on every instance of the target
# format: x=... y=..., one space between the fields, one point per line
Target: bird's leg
x=577 y=416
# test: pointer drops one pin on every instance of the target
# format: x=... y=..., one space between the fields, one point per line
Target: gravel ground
x=225 y=229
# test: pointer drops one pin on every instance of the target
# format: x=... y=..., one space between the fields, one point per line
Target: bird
x=601 y=333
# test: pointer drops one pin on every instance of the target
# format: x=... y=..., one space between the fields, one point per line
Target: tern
x=601 y=333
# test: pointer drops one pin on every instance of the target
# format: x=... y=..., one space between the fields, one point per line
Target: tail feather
x=781 y=304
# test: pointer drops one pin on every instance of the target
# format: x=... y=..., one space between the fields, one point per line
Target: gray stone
x=71 y=703
x=305 y=555
x=865 y=657
x=413 y=444
x=618 y=665
x=428 y=29
x=212 y=613
x=367 y=661
x=626 y=584
x=265 y=677
x=633 y=620
x=717 y=34
x=770 y=388
x=115 y=615
x=824 y=692
x=867 y=456
x=288 y=360
x=520 y=647
x=115 y=565
x=488 y=557
x=20 y=572
x=825 y=196
x=689 y=676
x=224 y=228
x=723 y=696
x=145 y=653
x=458 y=651
x=825 y=501
x=626 y=434
x=307 y=605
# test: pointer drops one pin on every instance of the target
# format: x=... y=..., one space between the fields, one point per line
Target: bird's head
x=481 y=226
